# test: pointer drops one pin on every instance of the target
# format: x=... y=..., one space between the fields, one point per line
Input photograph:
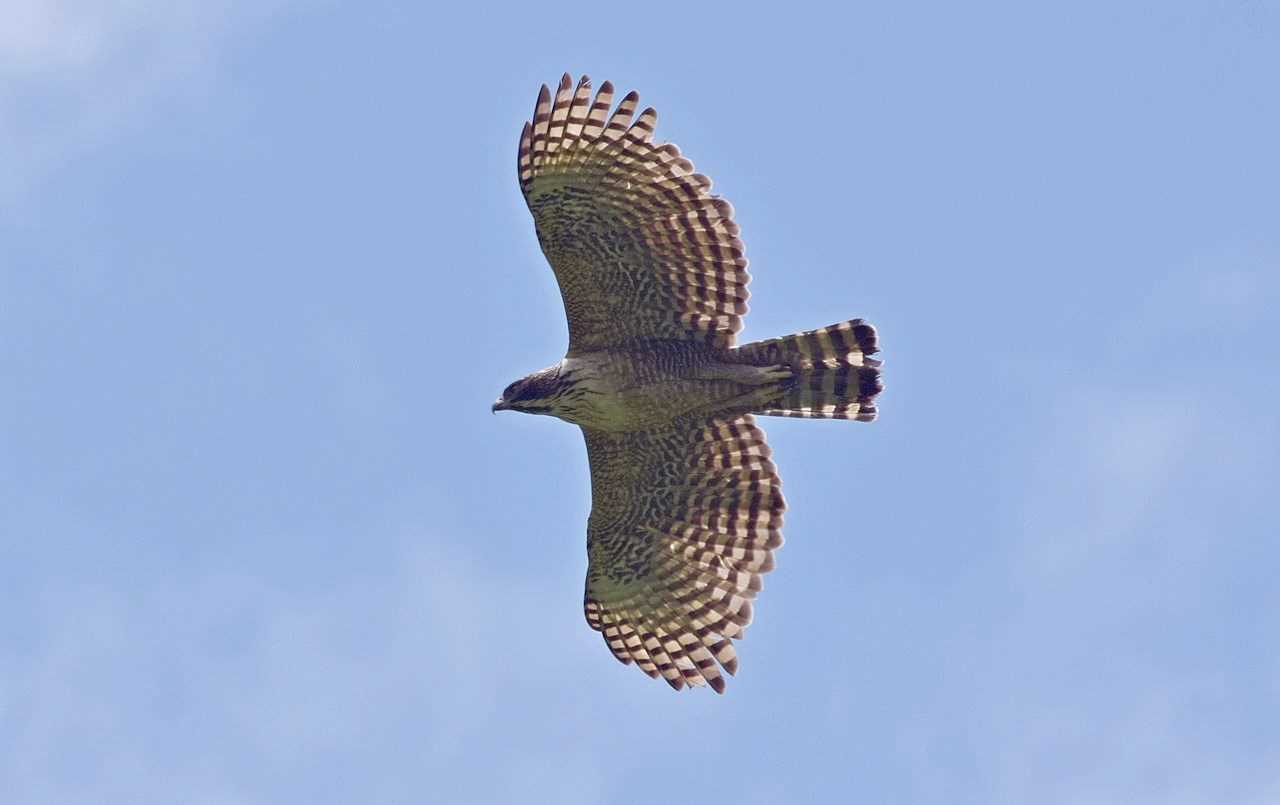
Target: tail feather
x=834 y=375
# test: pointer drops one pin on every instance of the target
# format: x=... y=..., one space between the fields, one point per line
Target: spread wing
x=639 y=245
x=684 y=522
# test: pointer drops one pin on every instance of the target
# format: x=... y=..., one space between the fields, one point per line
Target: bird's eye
x=510 y=392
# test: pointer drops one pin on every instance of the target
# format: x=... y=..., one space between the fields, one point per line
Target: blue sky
x=263 y=267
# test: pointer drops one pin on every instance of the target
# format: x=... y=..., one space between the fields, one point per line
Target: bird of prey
x=686 y=505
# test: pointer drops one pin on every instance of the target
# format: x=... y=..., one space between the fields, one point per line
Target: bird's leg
x=746 y=374
x=757 y=386
x=755 y=399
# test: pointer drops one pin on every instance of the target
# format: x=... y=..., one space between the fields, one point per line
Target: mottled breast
x=616 y=390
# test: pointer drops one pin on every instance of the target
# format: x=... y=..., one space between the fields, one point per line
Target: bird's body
x=618 y=390
x=686 y=502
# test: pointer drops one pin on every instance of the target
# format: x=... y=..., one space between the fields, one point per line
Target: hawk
x=686 y=505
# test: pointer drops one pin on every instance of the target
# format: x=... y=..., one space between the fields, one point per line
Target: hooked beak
x=500 y=405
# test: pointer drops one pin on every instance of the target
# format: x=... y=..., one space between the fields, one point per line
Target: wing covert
x=640 y=247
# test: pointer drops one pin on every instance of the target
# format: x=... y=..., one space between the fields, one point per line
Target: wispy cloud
x=1109 y=681
x=223 y=685
x=73 y=73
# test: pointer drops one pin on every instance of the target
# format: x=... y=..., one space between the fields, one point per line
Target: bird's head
x=535 y=394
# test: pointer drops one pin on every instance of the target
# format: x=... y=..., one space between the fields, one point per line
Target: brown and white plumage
x=684 y=521
x=686 y=503
x=638 y=243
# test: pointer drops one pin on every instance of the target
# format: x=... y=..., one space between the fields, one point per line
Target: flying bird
x=686 y=504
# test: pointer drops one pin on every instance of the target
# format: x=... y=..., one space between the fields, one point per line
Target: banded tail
x=835 y=377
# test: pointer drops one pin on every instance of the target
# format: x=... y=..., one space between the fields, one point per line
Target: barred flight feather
x=639 y=245
x=683 y=525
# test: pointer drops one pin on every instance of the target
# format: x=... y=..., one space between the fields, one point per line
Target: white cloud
x=1112 y=454
x=40 y=36
x=75 y=72
x=215 y=685
x=1108 y=681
